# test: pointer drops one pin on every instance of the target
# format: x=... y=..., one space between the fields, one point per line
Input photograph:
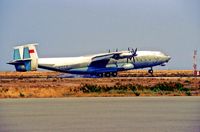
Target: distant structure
x=195 y=71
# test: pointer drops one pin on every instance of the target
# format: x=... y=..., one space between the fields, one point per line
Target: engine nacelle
x=125 y=55
x=128 y=66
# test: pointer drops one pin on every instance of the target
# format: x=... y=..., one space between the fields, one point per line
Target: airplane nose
x=165 y=57
x=168 y=58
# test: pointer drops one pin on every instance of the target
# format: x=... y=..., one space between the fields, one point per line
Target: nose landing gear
x=150 y=71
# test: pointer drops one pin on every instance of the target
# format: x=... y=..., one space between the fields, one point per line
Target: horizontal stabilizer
x=18 y=61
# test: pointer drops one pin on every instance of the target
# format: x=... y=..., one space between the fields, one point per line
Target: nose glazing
x=167 y=58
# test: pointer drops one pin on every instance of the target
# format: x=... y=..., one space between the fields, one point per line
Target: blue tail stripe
x=27 y=65
x=16 y=55
x=26 y=53
x=23 y=66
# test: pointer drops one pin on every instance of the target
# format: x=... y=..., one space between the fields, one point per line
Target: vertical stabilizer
x=25 y=57
x=18 y=53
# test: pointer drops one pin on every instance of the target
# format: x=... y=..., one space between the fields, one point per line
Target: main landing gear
x=107 y=74
x=150 y=71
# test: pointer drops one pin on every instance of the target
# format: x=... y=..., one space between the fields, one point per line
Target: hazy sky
x=80 y=27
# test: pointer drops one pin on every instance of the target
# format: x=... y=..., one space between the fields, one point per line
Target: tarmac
x=101 y=114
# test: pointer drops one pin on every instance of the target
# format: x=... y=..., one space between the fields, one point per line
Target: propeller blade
x=117 y=50
x=132 y=50
x=135 y=51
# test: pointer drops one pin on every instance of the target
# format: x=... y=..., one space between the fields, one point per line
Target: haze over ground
x=76 y=27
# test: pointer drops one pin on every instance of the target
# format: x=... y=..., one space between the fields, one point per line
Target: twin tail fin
x=25 y=57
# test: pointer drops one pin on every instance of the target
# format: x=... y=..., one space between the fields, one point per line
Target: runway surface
x=110 y=114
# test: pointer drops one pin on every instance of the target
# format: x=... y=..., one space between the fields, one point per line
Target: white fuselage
x=82 y=64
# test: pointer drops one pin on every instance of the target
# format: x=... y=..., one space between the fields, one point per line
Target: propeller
x=117 y=50
x=134 y=53
x=109 y=51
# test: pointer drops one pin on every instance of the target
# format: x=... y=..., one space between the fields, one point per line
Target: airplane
x=25 y=58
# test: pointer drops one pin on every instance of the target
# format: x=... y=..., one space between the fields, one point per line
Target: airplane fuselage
x=85 y=65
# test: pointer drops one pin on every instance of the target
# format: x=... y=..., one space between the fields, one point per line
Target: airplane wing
x=113 y=55
x=100 y=61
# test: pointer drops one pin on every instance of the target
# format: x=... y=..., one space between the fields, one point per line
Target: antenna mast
x=195 y=62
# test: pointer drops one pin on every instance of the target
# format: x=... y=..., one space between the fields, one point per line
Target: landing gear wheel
x=107 y=74
x=114 y=74
x=150 y=71
x=99 y=74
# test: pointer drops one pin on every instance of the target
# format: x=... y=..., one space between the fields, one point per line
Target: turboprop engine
x=130 y=55
x=128 y=66
x=125 y=55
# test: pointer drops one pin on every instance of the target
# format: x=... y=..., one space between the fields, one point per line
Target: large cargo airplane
x=25 y=58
